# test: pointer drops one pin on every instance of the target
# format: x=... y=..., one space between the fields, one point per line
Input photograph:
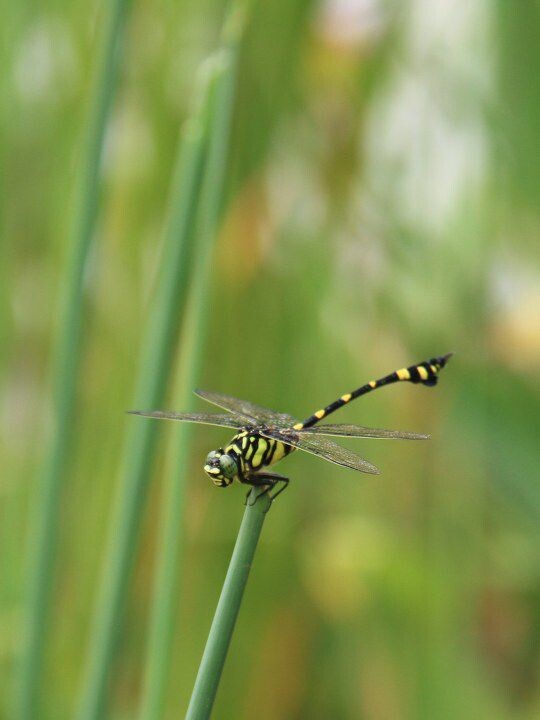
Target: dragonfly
x=264 y=437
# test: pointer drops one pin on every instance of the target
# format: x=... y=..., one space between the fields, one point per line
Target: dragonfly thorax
x=221 y=467
x=248 y=452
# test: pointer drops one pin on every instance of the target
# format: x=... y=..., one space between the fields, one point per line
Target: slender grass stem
x=167 y=567
x=65 y=365
x=219 y=638
x=156 y=359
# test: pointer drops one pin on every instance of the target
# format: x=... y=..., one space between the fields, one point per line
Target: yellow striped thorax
x=246 y=452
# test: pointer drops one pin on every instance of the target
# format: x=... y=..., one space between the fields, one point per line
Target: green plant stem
x=157 y=353
x=65 y=365
x=167 y=566
x=219 y=638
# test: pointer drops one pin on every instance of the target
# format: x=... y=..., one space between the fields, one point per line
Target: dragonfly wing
x=362 y=432
x=223 y=420
x=322 y=447
x=254 y=413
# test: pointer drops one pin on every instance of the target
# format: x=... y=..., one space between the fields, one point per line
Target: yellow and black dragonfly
x=264 y=437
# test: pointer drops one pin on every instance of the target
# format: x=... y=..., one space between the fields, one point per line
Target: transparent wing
x=254 y=413
x=362 y=432
x=322 y=448
x=204 y=418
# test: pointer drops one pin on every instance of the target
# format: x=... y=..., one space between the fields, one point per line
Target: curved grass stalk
x=156 y=360
x=167 y=570
x=65 y=365
x=219 y=638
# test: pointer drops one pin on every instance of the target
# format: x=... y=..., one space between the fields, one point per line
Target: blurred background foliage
x=382 y=207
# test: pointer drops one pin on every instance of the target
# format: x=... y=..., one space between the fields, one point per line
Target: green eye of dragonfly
x=219 y=463
x=228 y=466
x=263 y=437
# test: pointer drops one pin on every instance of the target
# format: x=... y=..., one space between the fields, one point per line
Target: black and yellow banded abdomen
x=425 y=373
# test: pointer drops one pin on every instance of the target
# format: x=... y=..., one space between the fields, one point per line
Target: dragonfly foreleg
x=267 y=481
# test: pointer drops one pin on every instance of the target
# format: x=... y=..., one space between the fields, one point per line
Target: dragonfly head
x=221 y=467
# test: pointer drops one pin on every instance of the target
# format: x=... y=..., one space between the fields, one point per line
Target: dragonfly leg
x=255 y=481
x=268 y=481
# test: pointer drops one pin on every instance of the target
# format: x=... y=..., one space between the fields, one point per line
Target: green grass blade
x=167 y=570
x=65 y=365
x=219 y=638
x=157 y=355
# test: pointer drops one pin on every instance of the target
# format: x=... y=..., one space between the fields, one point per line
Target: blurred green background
x=382 y=207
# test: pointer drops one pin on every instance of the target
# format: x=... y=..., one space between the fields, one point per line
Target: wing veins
x=219 y=419
x=322 y=447
x=360 y=431
x=255 y=414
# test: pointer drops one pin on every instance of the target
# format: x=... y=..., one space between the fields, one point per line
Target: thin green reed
x=156 y=359
x=219 y=637
x=67 y=350
x=167 y=567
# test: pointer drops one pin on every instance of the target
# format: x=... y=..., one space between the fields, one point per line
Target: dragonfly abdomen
x=425 y=373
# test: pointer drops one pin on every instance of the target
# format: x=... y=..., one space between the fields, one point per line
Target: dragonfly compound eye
x=228 y=466
x=220 y=467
